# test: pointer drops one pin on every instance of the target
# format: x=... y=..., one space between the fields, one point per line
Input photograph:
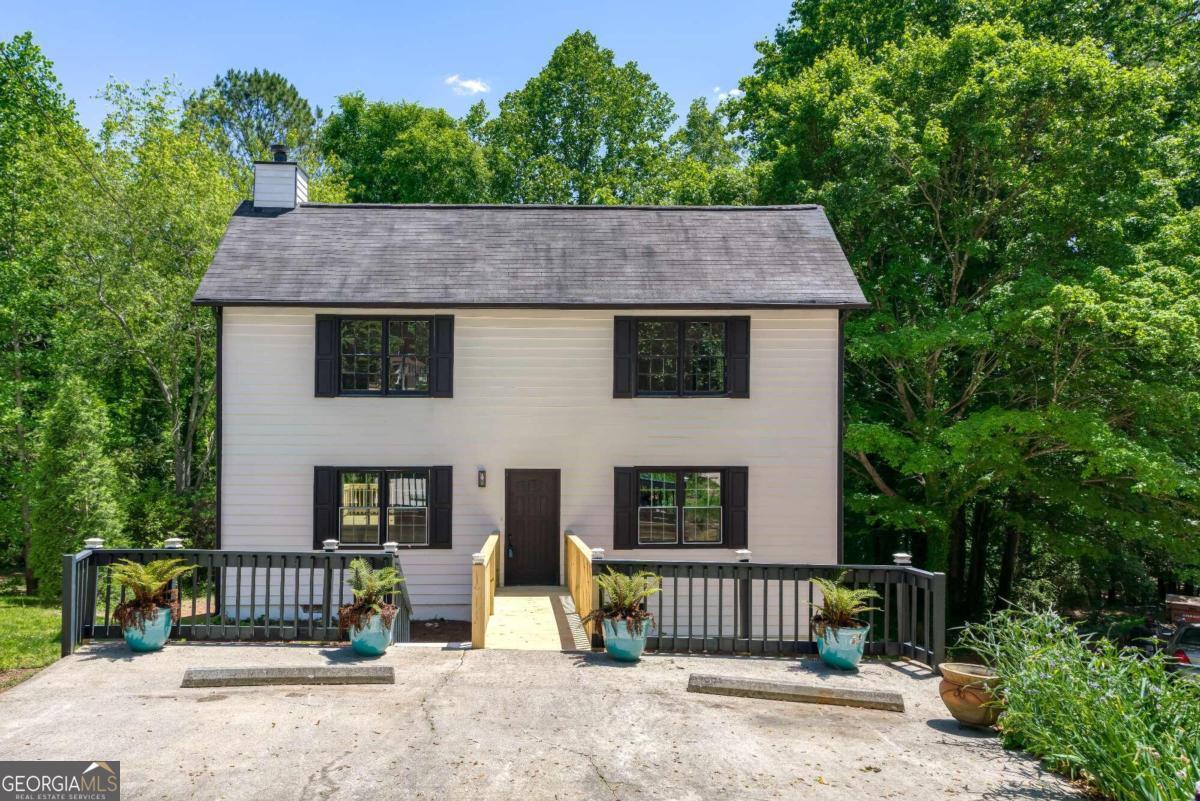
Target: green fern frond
x=840 y=605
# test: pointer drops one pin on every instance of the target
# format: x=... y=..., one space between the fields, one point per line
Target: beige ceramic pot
x=968 y=690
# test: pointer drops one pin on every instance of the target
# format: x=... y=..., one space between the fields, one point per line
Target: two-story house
x=665 y=382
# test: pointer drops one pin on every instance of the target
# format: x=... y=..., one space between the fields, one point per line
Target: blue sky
x=391 y=51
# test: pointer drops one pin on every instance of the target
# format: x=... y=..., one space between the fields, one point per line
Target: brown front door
x=531 y=526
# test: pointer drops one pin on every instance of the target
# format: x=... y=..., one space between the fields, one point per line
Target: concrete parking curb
x=791 y=691
x=256 y=676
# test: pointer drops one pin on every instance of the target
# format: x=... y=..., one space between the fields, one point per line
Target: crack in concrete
x=328 y=785
x=436 y=690
x=609 y=784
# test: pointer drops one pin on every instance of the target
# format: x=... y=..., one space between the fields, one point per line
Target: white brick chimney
x=279 y=183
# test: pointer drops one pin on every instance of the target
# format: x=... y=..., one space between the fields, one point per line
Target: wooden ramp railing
x=484 y=578
x=578 y=573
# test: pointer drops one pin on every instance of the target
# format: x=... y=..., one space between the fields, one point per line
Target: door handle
x=511 y=552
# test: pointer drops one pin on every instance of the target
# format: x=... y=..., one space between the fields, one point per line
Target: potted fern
x=841 y=633
x=146 y=617
x=623 y=614
x=370 y=618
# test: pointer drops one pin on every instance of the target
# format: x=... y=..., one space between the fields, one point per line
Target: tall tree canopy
x=247 y=112
x=37 y=127
x=583 y=130
x=1027 y=364
x=403 y=153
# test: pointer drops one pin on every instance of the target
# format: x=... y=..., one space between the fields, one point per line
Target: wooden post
x=479 y=602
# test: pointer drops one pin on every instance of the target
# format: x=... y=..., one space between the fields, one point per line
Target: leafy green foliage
x=149 y=586
x=623 y=597
x=1110 y=716
x=36 y=120
x=841 y=606
x=403 y=153
x=369 y=586
x=247 y=112
x=1027 y=366
x=76 y=492
x=583 y=130
x=148 y=582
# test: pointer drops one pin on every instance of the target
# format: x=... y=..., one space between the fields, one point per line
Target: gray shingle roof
x=622 y=256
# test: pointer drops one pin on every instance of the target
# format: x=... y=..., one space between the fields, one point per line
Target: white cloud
x=735 y=93
x=466 y=86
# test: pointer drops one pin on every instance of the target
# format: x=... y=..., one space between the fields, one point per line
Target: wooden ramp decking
x=535 y=619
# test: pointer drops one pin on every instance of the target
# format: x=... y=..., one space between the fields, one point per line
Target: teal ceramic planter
x=622 y=644
x=372 y=639
x=153 y=635
x=842 y=648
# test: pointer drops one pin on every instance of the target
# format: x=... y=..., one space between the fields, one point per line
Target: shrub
x=150 y=588
x=840 y=605
x=75 y=484
x=1092 y=710
x=370 y=588
x=625 y=597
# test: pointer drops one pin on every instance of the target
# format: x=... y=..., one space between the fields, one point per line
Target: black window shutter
x=625 y=506
x=327 y=356
x=325 y=505
x=736 y=493
x=737 y=356
x=441 y=362
x=441 y=505
x=624 y=357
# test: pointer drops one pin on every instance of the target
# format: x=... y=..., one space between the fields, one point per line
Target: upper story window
x=364 y=507
x=681 y=356
x=386 y=355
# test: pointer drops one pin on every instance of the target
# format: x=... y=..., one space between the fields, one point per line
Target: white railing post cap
x=94 y=543
x=902 y=558
x=477 y=558
x=329 y=545
x=391 y=547
x=597 y=554
x=173 y=543
x=743 y=554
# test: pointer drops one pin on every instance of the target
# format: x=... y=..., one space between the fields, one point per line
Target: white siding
x=279 y=186
x=532 y=389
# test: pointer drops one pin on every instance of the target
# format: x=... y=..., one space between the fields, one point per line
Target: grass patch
x=31 y=630
x=1121 y=722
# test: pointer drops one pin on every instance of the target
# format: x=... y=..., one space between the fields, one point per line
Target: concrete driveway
x=498 y=725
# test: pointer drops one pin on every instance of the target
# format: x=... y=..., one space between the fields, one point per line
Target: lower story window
x=383 y=505
x=679 y=507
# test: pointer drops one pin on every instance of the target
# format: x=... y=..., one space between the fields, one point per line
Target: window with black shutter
x=680 y=507
x=681 y=357
x=364 y=507
x=385 y=356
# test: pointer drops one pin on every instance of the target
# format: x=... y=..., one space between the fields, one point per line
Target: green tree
x=703 y=167
x=243 y=113
x=153 y=202
x=583 y=130
x=76 y=483
x=403 y=153
x=1025 y=367
x=247 y=112
x=35 y=120
x=705 y=137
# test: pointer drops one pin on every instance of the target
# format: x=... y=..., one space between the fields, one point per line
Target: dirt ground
x=492 y=724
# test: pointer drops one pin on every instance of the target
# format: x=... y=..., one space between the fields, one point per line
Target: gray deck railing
x=232 y=595
x=757 y=608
